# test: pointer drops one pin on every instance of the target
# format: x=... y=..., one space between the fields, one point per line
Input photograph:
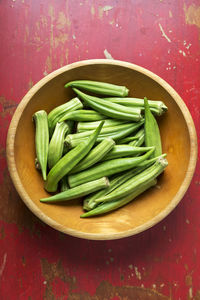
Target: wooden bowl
x=178 y=139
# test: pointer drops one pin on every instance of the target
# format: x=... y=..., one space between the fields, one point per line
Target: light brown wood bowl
x=178 y=138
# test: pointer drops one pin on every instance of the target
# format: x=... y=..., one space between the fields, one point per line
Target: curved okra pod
x=156 y=107
x=70 y=160
x=64 y=184
x=56 y=114
x=135 y=182
x=75 y=139
x=115 y=204
x=139 y=139
x=78 y=191
x=41 y=140
x=85 y=126
x=82 y=115
x=98 y=87
x=94 y=156
x=109 y=109
x=89 y=202
x=56 y=144
x=125 y=150
x=152 y=133
x=106 y=168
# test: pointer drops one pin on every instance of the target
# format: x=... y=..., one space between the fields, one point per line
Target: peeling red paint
x=40 y=263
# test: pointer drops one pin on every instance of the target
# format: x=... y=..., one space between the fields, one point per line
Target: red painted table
x=39 y=36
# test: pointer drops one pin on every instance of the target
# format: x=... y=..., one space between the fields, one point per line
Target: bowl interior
x=175 y=140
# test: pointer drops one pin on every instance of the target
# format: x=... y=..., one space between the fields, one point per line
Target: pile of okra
x=101 y=145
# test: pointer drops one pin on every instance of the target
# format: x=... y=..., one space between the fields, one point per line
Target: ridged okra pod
x=94 y=156
x=117 y=180
x=156 y=107
x=134 y=183
x=83 y=115
x=56 y=144
x=101 y=88
x=78 y=191
x=64 y=184
x=113 y=110
x=69 y=161
x=74 y=139
x=41 y=140
x=139 y=139
x=85 y=126
x=125 y=150
x=152 y=132
x=106 y=168
x=115 y=204
x=56 y=114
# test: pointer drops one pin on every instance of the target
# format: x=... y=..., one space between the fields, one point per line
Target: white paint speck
x=107 y=7
x=117 y=25
x=137 y=273
x=73 y=36
x=162 y=284
x=107 y=54
x=44 y=282
x=182 y=52
x=45 y=73
x=169 y=64
x=190 y=293
x=187 y=221
x=142 y=285
x=174 y=67
x=164 y=228
x=169 y=51
x=130 y=267
x=154 y=286
x=3 y=264
x=164 y=34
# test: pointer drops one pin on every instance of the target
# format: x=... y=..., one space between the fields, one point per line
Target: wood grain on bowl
x=178 y=140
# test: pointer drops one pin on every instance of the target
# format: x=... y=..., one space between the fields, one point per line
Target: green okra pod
x=110 y=109
x=125 y=150
x=64 y=184
x=89 y=202
x=139 y=139
x=117 y=180
x=75 y=139
x=41 y=140
x=94 y=156
x=83 y=115
x=115 y=204
x=134 y=183
x=70 y=160
x=56 y=144
x=97 y=87
x=85 y=126
x=127 y=140
x=106 y=168
x=78 y=191
x=152 y=133
x=56 y=114
x=156 y=107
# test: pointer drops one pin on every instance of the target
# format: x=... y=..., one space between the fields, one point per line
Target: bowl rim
x=99 y=236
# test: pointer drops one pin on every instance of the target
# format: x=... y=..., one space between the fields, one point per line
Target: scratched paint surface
x=37 y=37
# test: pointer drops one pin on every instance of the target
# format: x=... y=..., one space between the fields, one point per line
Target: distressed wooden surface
x=40 y=36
